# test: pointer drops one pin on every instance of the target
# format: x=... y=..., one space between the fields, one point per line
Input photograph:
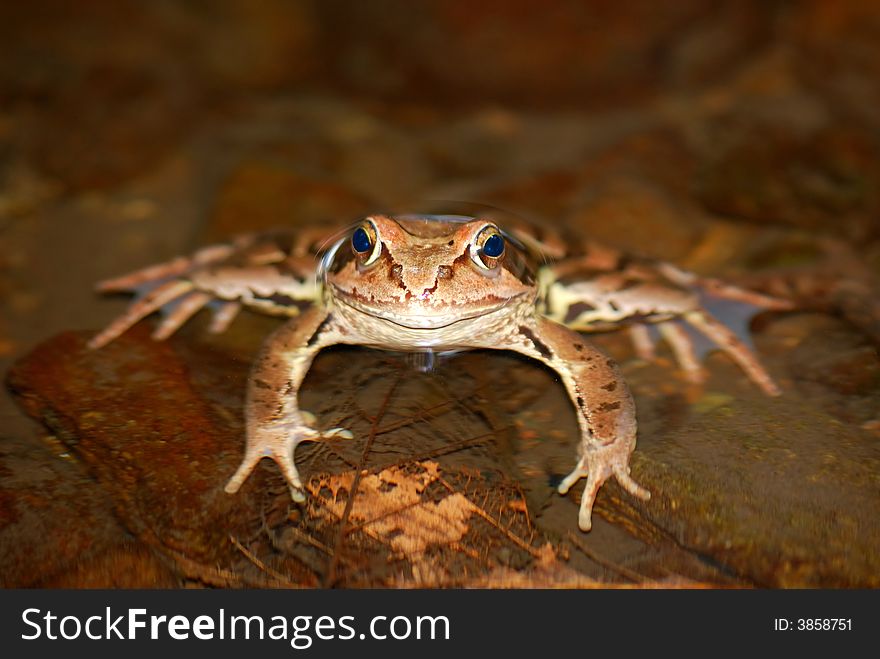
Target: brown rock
x=97 y=103
x=125 y=565
x=132 y=414
x=158 y=425
x=102 y=92
x=53 y=519
x=776 y=490
x=258 y=196
x=838 y=53
x=528 y=54
x=639 y=217
x=246 y=44
x=819 y=181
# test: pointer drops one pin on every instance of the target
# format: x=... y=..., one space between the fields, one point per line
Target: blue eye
x=487 y=248
x=494 y=246
x=361 y=241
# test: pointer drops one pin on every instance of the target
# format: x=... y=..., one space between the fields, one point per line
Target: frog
x=441 y=284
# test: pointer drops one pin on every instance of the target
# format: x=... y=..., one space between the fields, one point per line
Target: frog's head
x=428 y=271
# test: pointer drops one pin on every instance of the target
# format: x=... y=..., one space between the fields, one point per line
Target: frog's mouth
x=428 y=319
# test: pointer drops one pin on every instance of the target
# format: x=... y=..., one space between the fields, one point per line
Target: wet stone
x=130 y=413
x=159 y=427
x=748 y=481
x=57 y=526
x=779 y=491
x=845 y=382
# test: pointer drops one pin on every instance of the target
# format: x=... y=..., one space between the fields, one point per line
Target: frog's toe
x=244 y=470
x=338 y=432
x=627 y=483
x=152 y=301
x=224 y=313
x=576 y=474
x=588 y=498
x=279 y=444
x=731 y=344
x=186 y=307
x=311 y=420
x=595 y=478
x=683 y=348
x=642 y=342
x=598 y=467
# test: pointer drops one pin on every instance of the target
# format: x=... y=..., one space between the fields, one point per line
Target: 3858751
x=812 y=624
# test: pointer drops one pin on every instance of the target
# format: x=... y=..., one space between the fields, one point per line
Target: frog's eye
x=488 y=248
x=365 y=243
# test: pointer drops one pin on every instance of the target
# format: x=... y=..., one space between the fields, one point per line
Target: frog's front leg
x=605 y=408
x=275 y=424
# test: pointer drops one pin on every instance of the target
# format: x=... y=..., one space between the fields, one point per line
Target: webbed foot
x=598 y=464
x=278 y=441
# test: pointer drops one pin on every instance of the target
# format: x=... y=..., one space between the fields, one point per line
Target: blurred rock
x=780 y=494
x=163 y=470
x=117 y=122
x=639 y=217
x=527 y=54
x=55 y=521
x=260 y=195
x=95 y=102
x=245 y=44
x=838 y=47
x=821 y=181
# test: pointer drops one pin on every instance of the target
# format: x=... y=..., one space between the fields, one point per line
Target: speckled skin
x=427 y=283
x=424 y=291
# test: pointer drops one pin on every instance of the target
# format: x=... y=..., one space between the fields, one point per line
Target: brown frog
x=431 y=283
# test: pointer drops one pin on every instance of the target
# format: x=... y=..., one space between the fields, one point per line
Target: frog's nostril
x=444 y=272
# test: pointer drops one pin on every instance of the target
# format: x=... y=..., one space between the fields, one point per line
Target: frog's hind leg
x=730 y=343
x=642 y=341
x=683 y=348
x=737 y=306
x=224 y=314
x=173 y=268
x=678 y=339
x=187 y=307
x=715 y=288
x=155 y=299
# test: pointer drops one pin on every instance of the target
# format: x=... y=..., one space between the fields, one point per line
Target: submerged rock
x=770 y=491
